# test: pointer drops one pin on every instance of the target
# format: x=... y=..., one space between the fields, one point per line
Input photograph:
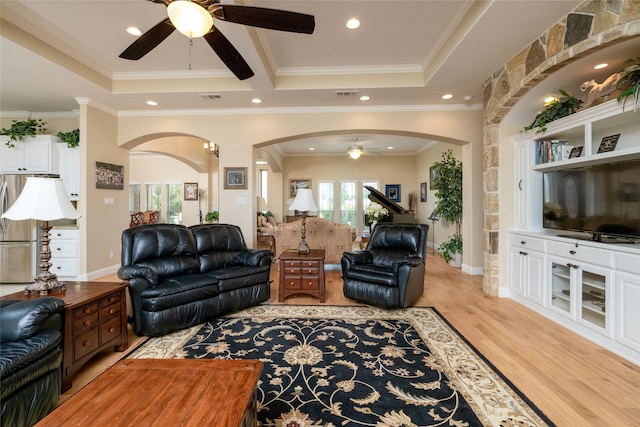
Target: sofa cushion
x=371 y=273
x=239 y=277
x=168 y=249
x=178 y=290
x=217 y=245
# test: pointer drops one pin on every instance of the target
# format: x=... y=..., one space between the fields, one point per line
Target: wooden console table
x=301 y=274
x=95 y=318
x=166 y=392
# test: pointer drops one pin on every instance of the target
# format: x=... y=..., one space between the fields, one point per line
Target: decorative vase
x=372 y=226
x=456 y=261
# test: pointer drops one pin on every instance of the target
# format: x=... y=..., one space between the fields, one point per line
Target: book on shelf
x=551 y=150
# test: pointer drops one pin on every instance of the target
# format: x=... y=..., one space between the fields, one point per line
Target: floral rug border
x=491 y=395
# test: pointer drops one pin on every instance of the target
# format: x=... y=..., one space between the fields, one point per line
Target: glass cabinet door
x=561 y=286
x=593 y=298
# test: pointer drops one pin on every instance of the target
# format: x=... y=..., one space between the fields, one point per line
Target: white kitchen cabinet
x=33 y=155
x=69 y=167
x=64 y=252
x=628 y=300
x=526 y=259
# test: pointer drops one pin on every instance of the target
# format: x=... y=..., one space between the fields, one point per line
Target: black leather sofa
x=30 y=359
x=180 y=277
x=390 y=272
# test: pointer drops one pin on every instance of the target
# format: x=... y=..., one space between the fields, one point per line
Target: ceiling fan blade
x=271 y=19
x=146 y=42
x=228 y=54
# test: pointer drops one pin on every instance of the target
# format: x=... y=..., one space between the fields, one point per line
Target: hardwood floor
x=573 y=381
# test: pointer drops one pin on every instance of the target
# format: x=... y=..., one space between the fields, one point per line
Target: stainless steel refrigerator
x=18 y=239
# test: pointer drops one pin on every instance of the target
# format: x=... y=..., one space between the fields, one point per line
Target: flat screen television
x=602 y=200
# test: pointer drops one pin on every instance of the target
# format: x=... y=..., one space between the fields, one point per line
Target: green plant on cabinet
x=558 y=108
x=20 y=129
x=72 y=138
x=629 y=82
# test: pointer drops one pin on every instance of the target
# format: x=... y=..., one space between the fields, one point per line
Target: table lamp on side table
x=43 y=199
x=303 y=203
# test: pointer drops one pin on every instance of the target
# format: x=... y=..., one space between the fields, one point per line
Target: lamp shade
x=189 y=18
x=304 y=201
x=42 y=199
x=262 y=204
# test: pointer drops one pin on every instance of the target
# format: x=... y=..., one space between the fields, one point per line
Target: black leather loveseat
x=180 y=277
x=30 y=359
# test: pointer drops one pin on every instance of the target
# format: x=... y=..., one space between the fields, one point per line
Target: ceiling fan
x=355 y=150
x=183 y=13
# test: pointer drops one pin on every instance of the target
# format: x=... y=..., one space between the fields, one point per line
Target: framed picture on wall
x=235 y=178
x=294 y=184
x=393 y=192
x=433 y=176
x=423 y=191
x=109 y=176
x=191 y=191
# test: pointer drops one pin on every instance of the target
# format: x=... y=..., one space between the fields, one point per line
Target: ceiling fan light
x=189 y=18
x=355 y=151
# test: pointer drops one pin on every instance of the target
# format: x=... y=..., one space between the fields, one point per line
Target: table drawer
x=108 y=312
x=293 y=282
x=110 y=330
x=310 y=264
x=292 y=270
x=310 y=282
x=111 y=299
x=84 y=311
x=85 y=323
x=85 y=344
x=292 y=264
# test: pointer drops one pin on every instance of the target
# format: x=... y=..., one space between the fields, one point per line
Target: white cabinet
x=69 y=167
x=32 y=155
x=628 y=300
x=64 y=252
x=526 y=260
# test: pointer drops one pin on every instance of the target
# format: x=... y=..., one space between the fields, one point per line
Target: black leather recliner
x=390 y=272
x=30 y=359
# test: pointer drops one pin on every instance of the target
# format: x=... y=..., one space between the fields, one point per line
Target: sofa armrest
x=412 y=261
x=358 y=257
x=254 y=257
x=129 y=272
x=25 y=319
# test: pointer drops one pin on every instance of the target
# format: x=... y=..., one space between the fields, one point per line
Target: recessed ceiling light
x=311 y=149
x=153 y=103
x=447 y=96
x=468 y=97
x=134 y=31
x=353 y=23
x=364 y=98
x=256 y=100
x=601 y=66
x=390 y=148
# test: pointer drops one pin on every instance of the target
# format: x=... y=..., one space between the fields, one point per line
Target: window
x=348 y=205
x=325 y=200
x=365 y=193
x=134 y=198
x=154 y=197
x=263 y=187
x=174 y=205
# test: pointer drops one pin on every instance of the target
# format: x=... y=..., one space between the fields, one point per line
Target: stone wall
x=591 y=26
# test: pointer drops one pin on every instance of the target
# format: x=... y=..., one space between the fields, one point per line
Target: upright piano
x=397 y=213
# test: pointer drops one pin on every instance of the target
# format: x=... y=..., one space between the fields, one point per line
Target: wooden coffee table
x=165 y=392
x=95 y=319
x=301 y=274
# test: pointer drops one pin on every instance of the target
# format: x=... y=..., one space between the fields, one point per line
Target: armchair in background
x=389 y=273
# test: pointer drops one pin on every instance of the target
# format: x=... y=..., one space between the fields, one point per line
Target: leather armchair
x=390 y=272
x=30 y=359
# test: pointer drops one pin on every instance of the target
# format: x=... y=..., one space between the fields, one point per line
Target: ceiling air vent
x=347 y=92
x=210 y=96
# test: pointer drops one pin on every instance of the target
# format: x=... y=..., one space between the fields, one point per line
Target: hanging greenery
x=448 y=186
x=20 y=129
x=560 y=107
x=72 y=138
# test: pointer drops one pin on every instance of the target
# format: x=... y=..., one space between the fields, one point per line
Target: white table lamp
x=43 y=199
x=303 y=203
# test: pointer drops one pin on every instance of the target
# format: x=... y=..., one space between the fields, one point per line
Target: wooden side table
x=302 y=274
x=95 y=318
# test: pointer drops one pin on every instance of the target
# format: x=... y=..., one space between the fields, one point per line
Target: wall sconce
x=212 y=148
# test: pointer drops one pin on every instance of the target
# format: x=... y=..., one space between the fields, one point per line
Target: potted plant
x=412 y=199
x=629 y=82
x=72 y=138
x=558 y=108
x=20 y=129
x=448 y=186
x=212 y=216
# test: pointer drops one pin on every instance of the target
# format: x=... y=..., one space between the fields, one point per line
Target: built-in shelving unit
x=590 y=287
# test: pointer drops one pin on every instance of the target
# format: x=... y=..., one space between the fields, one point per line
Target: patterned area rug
x=357 y=366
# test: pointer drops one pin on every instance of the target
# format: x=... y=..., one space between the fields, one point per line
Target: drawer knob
x=87 y=323
x=86 y=311
x=572 y=252
x=523 y=242
x=86 y=344
x=112 y=299
x=112 y=311
x=57 y=249
x=112 y=330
